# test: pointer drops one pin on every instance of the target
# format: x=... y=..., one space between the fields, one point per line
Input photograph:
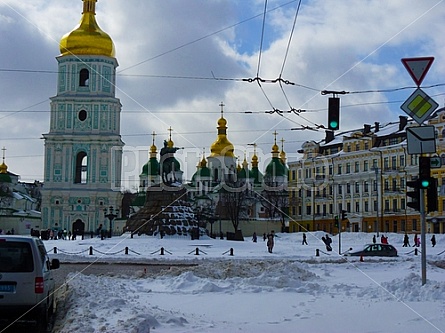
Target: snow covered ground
x=289 y=290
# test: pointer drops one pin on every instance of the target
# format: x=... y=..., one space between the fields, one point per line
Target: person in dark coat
x=270 y=242
x=406 y=241
x=374 y=240
x=254 y=238
x=304 y=239
x=433 y=240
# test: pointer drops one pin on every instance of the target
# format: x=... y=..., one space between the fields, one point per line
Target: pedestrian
x=270 y=242
x=304 y=239
x=416 y=241
x=264 y=237
x=384 y=240
x=254 y=238
x=433 y=240
x=406 y=241
x=327 y=241
x=374 y=240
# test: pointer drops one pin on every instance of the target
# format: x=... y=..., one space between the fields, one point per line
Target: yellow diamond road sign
x=419 y=106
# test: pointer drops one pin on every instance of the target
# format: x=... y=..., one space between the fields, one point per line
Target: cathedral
x=83 y=154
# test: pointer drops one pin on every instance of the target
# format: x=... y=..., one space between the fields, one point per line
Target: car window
x=43 y=257
x=16 y=257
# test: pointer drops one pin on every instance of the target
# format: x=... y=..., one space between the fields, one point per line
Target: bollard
x=197 y=252
x=55 y=250
x=126 y=250
x=131 y=235
x=231 y=251
x=317 y=252
x=415 y=251
x=162 y=251
x=91 y=250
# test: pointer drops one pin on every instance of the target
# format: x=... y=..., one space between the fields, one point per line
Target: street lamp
x=111 y=214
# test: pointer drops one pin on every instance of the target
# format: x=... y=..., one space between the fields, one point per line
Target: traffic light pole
x=422 y=234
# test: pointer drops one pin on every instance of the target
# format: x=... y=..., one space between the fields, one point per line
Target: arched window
x=81 y=174
x=84 y=76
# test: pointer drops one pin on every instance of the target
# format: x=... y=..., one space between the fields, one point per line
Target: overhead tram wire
x=206 y=36
x=287 y=53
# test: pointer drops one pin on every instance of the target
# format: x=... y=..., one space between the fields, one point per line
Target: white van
x=26 y=282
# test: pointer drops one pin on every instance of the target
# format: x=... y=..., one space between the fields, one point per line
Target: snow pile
x=253 y=291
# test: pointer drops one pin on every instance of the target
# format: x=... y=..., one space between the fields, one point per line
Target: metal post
x=378 y=199
x=422 y=234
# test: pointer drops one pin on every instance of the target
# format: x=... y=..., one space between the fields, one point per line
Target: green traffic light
x=333 y=124
x=425 y=183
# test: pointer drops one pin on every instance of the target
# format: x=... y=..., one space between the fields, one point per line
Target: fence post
x=162 y=251
x=197 y=251
x=231 y=251
x=317 y=252
x=126 y=250
x=91 y=250
x=55 y=250
x=415 y=251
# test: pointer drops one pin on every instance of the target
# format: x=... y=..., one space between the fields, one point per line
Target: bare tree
x=275 y=200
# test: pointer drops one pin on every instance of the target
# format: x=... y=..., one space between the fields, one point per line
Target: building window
x=386 y=163
x=414 y=224
x=339 y=169
x=402 y=203
x=357 y=207
x=348 y=188
x=84 y=77
x=374 y=164
x=376 y=206
x=82 y=115
x=366 y=146
x=402 y=160
x=395 y=207
x=293 y=174
x=394 y=162
x=308 y=210
x=366 y=206
x=357 y=147
x=340 y=189
x=366 y=186
x=357 y=187
x=81 y=168
x=348 y=167
x=330 y=170
x=365 y=165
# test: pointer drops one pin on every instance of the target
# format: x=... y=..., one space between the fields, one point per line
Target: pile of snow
x=290 y=290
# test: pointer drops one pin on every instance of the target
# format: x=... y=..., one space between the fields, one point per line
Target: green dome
x=276 y=168
x=257 y=175
x=151 y=168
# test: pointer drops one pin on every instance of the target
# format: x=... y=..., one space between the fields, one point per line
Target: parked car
x=26 y=282
x=377 y=250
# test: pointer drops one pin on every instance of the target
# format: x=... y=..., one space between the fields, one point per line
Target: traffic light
x=334 y=113
x=431 y=196
x=344 y=215
x=425 y=172
x=414 y=194
x=336 y=224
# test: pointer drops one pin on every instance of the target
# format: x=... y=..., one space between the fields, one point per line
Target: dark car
x=376 y=250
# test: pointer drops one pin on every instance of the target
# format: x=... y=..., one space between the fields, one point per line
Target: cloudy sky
x=179 y=59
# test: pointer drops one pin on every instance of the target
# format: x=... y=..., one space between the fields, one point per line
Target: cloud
x=170 y=51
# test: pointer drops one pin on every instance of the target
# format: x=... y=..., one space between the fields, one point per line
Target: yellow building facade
x=362 y=175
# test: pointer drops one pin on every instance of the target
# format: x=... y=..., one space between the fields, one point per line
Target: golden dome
x=87 y=38
x=3 y=168
x=222 y=146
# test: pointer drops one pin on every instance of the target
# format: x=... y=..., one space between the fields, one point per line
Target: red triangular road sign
x=418 y=67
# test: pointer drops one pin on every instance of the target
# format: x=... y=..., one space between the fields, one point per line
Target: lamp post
x=111 y=214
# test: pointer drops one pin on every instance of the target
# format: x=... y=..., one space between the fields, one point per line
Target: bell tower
x=83 y=148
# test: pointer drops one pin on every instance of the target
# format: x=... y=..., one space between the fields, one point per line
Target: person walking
x=374 y=240
x=433 y=240
x=254 y=238
x=304 y=239
x=270 y=242
x=416 y=241
x=406 y=241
